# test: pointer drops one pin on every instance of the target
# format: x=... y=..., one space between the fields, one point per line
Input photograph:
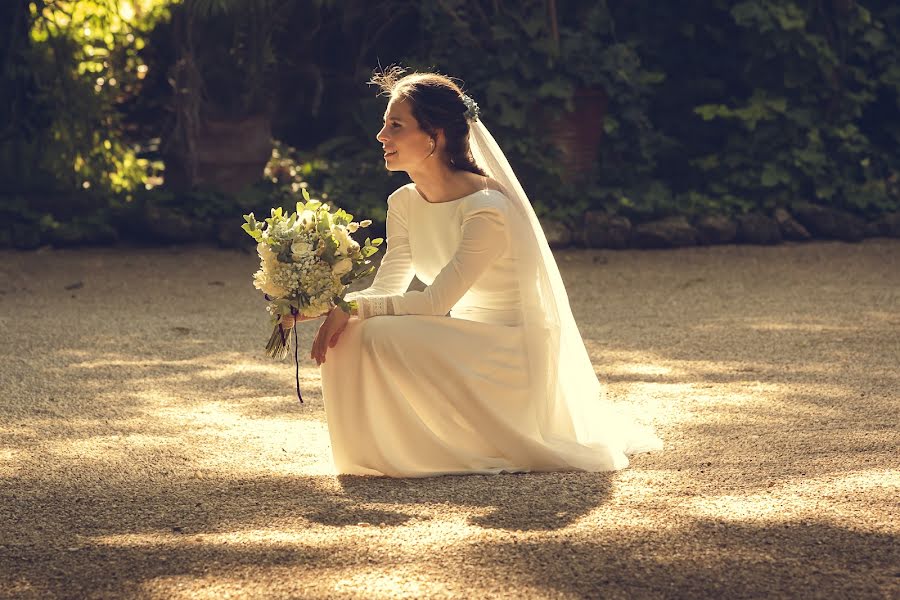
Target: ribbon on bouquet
x=279 y=346
x=297 y=364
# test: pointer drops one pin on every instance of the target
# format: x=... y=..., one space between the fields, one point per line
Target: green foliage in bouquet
x=307 y=260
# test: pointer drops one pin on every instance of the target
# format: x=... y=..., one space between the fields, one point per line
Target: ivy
x=714 y=106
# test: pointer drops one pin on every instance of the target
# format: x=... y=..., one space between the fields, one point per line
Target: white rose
x=342 y=266
x=300 y=249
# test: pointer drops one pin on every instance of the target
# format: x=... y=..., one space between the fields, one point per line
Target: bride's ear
x=439 y=139
x=437 y=142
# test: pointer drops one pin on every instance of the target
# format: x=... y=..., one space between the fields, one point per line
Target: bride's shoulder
x=403 y=190
x=483 y=183
x=401 y=194
x=493 y=184
x=487 y=195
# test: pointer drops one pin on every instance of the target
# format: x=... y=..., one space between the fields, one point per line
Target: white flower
x=352 y=227
x=315 y=310
x=263 y=250
x=345 y=242
x=300 y=249
x=307 y=218
x=342 y=266
x=266 y=285
x=269 y=260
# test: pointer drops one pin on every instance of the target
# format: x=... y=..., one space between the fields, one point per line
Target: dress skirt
x=419 y=396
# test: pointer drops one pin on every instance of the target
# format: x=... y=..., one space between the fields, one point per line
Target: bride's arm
x=484 y=239
x=396 y=271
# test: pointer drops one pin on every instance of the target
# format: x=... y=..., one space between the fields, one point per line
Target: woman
x=484 y=371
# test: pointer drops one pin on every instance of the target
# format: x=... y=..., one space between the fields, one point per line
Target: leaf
x=875 y=38
x=790 y=17
x=254 y=233
x=825 y=192
x=610 y=124
x=706 y=163
x=769 y=177
x=710 y=111
x=556 y=88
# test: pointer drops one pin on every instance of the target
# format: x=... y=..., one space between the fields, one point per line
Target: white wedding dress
x=412 y=392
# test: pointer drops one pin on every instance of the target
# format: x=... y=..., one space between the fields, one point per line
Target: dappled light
x=157 y=452
x=718 y=184
x=833 y=496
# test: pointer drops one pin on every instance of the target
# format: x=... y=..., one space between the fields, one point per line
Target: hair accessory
x=472 y=110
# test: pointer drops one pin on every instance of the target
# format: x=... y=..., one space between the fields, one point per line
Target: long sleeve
x=484 y=240
x=396 y=271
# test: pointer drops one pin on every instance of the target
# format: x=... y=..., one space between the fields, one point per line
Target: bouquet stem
x=279 y=343
x=279 y=346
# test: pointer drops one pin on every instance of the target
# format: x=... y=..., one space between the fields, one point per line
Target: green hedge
x=713 y=107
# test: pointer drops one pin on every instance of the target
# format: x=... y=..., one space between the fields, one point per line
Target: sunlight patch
x=799 y=326
x=813 y=497
x=220 y=370
x=9 y=458
x=194 y=587
x=407 y=539
x=376 y=583
x=639 y=369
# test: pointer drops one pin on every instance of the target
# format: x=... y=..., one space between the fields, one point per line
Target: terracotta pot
x=577 y=134
x=230 y=154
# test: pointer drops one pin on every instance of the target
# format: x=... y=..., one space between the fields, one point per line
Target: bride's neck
x=437 y=183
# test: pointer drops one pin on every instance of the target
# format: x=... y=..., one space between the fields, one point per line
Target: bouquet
x=307 y=260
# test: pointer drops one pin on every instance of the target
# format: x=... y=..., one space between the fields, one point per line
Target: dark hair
x=437 y=103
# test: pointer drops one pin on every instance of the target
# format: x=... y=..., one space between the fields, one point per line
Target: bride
x=484 y=371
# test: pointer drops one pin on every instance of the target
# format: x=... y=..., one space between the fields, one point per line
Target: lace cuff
x=374 y=306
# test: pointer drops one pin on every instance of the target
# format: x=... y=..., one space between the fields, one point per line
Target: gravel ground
x=148 y=449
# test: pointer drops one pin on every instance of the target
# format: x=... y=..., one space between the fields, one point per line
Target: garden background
x=631 y=124
x=150 y=449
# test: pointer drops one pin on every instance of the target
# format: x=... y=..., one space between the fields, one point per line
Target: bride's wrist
x=350 y=308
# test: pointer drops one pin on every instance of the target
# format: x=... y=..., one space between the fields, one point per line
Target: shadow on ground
x=148 y=449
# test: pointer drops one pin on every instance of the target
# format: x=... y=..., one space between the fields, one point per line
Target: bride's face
x=405 y=145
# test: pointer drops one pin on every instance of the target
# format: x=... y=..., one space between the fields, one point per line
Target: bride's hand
x=328 y=334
